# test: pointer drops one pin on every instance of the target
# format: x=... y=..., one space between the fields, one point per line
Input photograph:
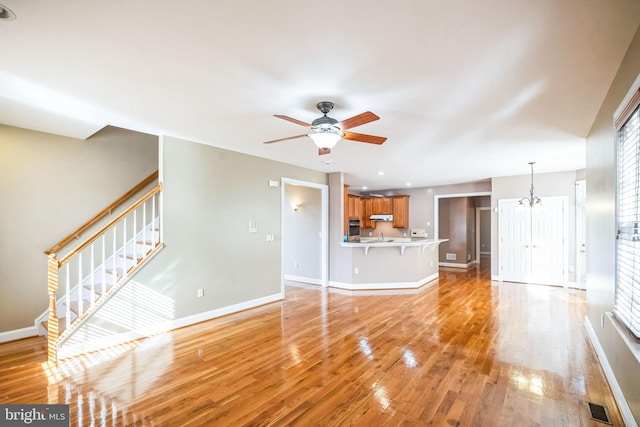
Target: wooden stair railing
x=106 y=211
x=101 y=264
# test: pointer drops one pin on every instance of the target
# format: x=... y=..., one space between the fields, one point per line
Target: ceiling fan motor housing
x=325 y=122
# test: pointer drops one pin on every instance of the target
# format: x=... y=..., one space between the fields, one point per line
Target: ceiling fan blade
x=360 y=137
x=322 y=151
x=292 y=120
x=358 y=120
x=284 y=139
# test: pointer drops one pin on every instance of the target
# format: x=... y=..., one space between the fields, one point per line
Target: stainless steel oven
x=354 y=227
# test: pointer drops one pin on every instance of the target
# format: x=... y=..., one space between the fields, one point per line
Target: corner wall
x=49 y=186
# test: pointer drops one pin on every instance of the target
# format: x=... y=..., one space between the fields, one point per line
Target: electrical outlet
x=356 y=270
x=200 y=293
x=295 y=265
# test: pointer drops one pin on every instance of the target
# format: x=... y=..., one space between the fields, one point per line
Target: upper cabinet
x=382 y=206
x=400 y=211
x=356 y=206
x=367 y=211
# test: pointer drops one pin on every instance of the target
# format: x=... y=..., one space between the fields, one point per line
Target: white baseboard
x=18 y=334
x=387 y=285
x=302 y=279
x=625 y=411
x=68 y=351
x=456 y=265
x=495 y=277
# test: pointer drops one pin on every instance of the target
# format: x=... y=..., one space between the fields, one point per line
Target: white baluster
x=113 y=257
x=68 y=295
x=144 y=225
x=153 y=221
x=80 y=287
x=135 y=231
x=103 y=264
x=124 y=247
x=93 y=277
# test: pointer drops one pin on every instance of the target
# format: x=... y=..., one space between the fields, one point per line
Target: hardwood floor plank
x=463 y=352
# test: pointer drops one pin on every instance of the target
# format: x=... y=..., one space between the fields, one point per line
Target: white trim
x=301 y=279
x=436 y=199
x=161 y=194
x=66 y=351
x=17 y=334
x=632 y=90
x=458 y=265
x=388 y=285
x=623 y=406
x=496 y=277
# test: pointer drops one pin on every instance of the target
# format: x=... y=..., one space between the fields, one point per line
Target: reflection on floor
x=466 y=351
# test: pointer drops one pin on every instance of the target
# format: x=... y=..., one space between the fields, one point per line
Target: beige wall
x=50 y=185
x=210 y=195
x=601 y=189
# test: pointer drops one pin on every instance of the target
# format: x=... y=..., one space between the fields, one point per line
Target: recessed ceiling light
x=6 y=14
x=408 y=184
x=364 y=188
x=381 y=173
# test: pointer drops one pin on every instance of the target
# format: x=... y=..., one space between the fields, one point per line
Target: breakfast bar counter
x=393 y=263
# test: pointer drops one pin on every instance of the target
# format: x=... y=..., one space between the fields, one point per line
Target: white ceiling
x=466 y=90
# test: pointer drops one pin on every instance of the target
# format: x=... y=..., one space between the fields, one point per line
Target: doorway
x=304 y=224
x=533 y=245
x=483 y=232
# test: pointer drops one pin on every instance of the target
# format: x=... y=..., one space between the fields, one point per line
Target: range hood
x=381 y=217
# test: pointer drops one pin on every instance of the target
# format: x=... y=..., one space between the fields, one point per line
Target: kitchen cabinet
x=367 y=211
x=382 y=206
x=400 y=211
x=355 y=206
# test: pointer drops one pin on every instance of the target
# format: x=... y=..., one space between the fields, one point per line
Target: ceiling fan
x=327 y=131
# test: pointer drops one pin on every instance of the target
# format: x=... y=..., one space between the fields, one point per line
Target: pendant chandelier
x=532 y=200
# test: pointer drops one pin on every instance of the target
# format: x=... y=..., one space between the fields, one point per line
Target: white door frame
x=436 y=202
x=324 y=226
x=581 y=241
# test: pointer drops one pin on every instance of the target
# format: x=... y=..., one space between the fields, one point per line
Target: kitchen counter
x=390 y=263
x=400 y=242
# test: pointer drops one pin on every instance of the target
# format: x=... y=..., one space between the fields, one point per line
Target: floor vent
x=599 y=413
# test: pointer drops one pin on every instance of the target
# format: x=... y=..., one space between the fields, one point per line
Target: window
x=627 y=295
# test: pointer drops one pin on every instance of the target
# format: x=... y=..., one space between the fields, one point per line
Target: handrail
x=55 y=248
x=97 y=234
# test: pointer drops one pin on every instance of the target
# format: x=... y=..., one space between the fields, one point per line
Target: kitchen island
x=392 y=263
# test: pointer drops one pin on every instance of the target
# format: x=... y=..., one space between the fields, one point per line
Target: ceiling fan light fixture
x=325 y=139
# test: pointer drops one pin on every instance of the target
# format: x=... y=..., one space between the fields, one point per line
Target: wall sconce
x=296 y=207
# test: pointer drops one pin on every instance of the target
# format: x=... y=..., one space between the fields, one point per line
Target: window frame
x=627 y=215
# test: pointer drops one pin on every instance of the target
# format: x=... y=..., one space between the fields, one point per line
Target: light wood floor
x=464 y=352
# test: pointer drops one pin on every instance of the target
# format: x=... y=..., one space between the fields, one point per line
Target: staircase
x=83 y=280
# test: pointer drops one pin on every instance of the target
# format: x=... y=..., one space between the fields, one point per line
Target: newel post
x=52 y=330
